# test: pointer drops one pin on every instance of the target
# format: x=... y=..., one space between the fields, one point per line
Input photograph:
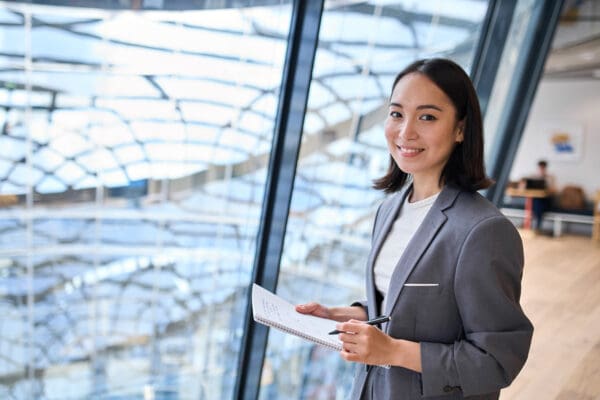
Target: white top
x=409 y=219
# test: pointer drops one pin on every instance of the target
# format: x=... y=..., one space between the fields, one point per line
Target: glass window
x=132 y=168
x=502 y=85
x=362 y=46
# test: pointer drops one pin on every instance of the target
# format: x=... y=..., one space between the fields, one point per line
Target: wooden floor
x=561 y=295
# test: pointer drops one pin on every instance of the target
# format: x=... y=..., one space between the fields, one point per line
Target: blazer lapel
x=421 y=240
x=380 y=235
x=388 y=221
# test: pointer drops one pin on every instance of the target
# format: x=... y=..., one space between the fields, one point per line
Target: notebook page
x=272 y=310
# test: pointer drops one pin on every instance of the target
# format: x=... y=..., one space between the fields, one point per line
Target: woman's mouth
x=410 y=151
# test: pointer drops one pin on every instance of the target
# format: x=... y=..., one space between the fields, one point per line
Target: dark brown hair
x=465 y=167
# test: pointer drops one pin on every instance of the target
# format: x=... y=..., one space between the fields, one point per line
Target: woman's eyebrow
x=425 y=106
x=421 y=107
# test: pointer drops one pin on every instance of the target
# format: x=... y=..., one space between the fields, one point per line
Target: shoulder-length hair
x=465 y=167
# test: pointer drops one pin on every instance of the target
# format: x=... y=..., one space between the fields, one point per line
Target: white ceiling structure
x=576 y=48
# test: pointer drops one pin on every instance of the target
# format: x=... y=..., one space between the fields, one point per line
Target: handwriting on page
x=271 y=310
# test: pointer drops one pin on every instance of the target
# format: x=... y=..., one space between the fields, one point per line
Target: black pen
x=374 y=321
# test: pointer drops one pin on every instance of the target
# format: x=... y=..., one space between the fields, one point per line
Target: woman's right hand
x=340 y=314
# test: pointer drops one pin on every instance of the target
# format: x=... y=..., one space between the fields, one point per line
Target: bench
x=556 y=218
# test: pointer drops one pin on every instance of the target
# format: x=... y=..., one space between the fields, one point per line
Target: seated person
x=543 y=180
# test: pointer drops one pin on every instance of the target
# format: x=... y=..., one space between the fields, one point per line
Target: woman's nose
x=407 y=131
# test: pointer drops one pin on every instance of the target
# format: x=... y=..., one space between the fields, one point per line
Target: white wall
x=564 y=103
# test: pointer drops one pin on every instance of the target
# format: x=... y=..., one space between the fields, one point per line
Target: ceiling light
x=587 y=55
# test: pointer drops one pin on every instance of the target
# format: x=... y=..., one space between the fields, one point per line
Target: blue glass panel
x=132 y=170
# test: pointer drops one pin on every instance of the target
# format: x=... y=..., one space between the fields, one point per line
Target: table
x=529 y=195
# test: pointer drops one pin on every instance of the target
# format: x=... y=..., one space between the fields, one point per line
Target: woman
x=445 y=264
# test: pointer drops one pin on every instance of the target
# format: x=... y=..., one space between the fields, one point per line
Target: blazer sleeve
x=496 y=333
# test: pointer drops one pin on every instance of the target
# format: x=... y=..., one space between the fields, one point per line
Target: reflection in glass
x=132 y=166
x=362 y=46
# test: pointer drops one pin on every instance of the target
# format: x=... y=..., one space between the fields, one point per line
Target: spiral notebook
x=271 y=310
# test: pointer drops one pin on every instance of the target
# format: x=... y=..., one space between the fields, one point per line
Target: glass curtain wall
x=362 y=46
x=133 y=159
x=506 y=69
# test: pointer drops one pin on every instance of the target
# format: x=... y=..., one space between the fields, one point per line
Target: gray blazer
x=474 y=335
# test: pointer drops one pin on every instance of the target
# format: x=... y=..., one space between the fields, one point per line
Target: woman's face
x=421 y=128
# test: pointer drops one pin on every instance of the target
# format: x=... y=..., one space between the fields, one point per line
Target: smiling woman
x=421 y=131
x=434 y=105
x=445 y=264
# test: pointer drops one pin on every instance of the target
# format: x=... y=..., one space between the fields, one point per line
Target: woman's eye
x=395 y=114
x=427 y=117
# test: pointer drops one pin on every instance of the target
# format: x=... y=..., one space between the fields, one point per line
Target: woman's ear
x=460 y=136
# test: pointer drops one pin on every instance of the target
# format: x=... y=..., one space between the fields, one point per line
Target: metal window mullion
x=297 y=74
x=488 y=54
x=526 y=77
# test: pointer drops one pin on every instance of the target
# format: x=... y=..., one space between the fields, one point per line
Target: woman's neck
x=423 y=191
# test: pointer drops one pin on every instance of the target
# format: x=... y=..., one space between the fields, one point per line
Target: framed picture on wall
x=564 y=141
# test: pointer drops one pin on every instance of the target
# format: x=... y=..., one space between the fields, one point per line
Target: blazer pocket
x=422 y=288
x=410 y=284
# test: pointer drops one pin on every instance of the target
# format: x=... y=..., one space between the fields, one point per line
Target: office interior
x=158 y=157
